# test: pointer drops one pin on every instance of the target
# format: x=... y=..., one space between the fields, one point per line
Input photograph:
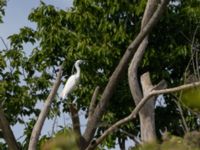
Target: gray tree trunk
x=147 y=113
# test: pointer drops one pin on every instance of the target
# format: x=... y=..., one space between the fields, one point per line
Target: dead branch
x=76 y=124
x=147 y=113
x=185 y=126
x=136 y=139
x=75 y=119
x=4 y=43
x=133 y=114
x=44 y=112
x=133 y=68
x=93 y=102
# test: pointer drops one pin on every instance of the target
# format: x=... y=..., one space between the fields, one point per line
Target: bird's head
x=78 y=62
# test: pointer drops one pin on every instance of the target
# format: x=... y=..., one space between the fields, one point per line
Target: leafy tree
x=2 y=12
x=99 y=32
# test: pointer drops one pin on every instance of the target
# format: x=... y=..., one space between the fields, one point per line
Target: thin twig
x=193 y=52
x=136 y=139
x=53 y=126
x=182 y=117
x=197 y=63
x=4 y=43
x=176 y=100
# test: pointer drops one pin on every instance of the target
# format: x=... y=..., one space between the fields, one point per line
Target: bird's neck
x=77 y=70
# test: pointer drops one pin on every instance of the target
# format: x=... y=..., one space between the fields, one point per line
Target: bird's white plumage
x=72 y=81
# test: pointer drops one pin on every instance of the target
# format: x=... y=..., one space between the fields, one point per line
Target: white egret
x=72 y=81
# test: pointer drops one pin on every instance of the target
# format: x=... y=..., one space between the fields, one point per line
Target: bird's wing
x=69 y=86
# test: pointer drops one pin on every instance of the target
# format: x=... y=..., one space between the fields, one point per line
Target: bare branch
x=133 y=68
x=7 y=132
x=93 y=102
x=53 y=126
x=194 y=53
x=4 y=43
x=132 y=72
x=163 y=91
x=136 y=139
x=44 y=112
x=176 y=89
x=147 y=113
x=185 y=127
x=122 y=66
x=75 y=119
x=137 y=109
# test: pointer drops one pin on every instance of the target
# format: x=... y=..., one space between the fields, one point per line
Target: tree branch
x=75 y=119
x=93 y=102
x=76 y=124
x=133 y=68
x=44 y=112
x=185 y=126
x=122 y=66
x=136 y=139
x=133 y=114
x=147 y=113
x=7 y=132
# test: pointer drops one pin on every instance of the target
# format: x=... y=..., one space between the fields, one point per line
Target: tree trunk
x=147 y=114
x=147 y=119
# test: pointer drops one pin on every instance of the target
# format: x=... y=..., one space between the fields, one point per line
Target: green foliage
x=191 y=141
x=63 y=140
x=191 y=98
x=192 y=10
x=99 y=32
x=2 y=12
